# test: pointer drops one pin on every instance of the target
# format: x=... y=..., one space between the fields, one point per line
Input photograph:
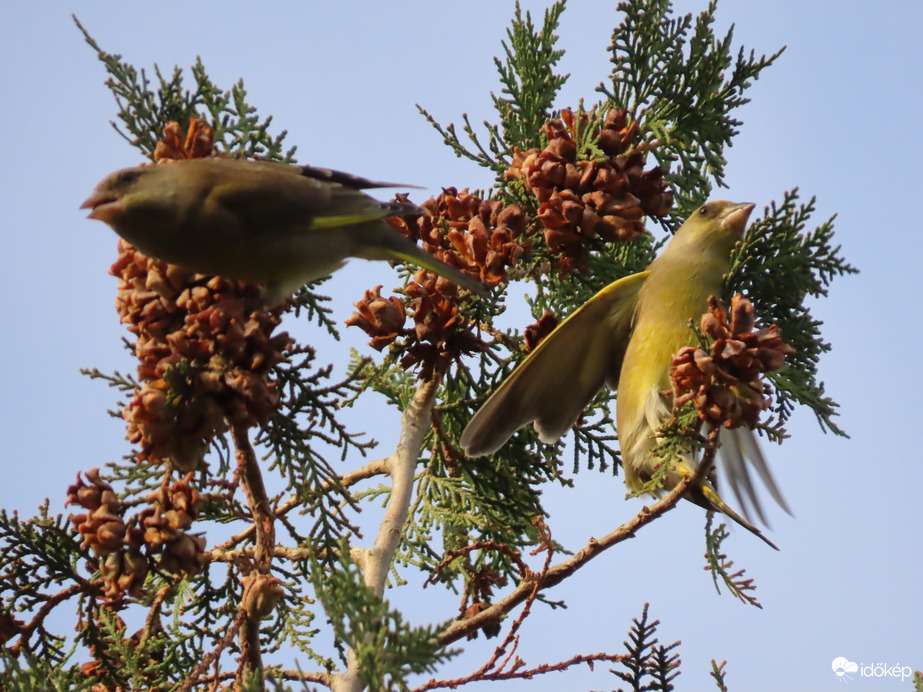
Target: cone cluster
x=605 y=196
x=204 y=355
x=157 y=536
x=725 y=383
x=482 y=238
x=578 y=198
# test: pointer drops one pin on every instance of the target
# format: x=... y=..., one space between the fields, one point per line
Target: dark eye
x=127 y=177
x=704 y=210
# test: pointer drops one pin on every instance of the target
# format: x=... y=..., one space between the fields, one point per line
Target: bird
x=625 y=336
x=263 y=222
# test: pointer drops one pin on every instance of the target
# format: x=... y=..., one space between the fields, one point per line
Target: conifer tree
x=191 y=536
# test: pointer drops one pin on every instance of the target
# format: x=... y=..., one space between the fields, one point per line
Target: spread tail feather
x=738 y=448
x=705 y=495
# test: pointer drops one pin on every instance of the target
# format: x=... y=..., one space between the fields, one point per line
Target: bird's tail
x=706 y=496
x=413 y=254
x=394 y=246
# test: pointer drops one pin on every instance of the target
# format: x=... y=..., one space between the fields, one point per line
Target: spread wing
x=553 y=385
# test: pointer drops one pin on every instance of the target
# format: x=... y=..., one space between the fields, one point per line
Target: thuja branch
x=593 y=548
x=376 y=561
x=211 y=657
x=225 y=551
x=520 y=673
x=251 y=479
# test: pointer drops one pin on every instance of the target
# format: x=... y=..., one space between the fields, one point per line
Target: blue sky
x=837 y=116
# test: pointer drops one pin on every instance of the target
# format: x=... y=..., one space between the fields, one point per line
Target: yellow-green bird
x=268 y=223
x=625 y=336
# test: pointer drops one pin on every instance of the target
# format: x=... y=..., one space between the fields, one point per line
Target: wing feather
x=553 y=385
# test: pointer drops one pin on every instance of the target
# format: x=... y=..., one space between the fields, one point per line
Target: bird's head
x=720 y=219
x=109 y=197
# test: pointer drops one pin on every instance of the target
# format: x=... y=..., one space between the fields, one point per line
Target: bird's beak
x=735 y=218
x=101 y=204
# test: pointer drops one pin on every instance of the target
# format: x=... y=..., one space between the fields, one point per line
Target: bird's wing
x=553 y=385
x=346 y=179
x=275 y=198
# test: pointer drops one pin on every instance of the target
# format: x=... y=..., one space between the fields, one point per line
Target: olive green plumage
x=263 y=222
x=625 y=336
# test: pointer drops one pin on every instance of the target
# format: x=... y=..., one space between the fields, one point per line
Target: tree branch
x=594 y=547
x=376 y=561
x=251 y=480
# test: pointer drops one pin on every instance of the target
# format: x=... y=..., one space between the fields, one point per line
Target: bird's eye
x=704 y=210
x=127 y=177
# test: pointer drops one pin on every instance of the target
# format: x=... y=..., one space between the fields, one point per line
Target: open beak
x=102 y=206
x=736 y=217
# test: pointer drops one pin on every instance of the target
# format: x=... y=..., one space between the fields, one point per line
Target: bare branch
x=594 y=547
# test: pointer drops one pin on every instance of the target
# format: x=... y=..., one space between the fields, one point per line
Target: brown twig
x=594 y=547
x=152 y=621
x=250 y=662
x=528 y=674
x=195 y=673
x=35 y=623
x=514 y=555
x=378 y=467
x=251 y=479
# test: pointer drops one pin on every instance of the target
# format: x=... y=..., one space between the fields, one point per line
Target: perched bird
x=268 y=223
x=626 y=335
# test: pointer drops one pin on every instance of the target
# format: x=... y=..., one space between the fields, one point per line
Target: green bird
x=625 y=336
x=268 y=223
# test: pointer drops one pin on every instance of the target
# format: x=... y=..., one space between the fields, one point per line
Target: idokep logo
x=842 y=667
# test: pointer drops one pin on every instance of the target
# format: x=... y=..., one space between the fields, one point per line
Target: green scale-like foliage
x=681 y=84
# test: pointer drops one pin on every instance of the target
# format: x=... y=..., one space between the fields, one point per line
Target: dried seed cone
x=441 y=332
x=726 y=384
x=124 y=573
x=582 y=199
x=480 y=237
x=261 y=594
x=199 y=142
x=204 y=357
x=534 y=333
x=170 y=514
x=102 y=527
x=381 y=318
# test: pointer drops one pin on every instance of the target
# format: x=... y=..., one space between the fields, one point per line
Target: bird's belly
x=233 y=254
x=645 y=376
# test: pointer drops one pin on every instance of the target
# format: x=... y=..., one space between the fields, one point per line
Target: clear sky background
x=837 y=116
